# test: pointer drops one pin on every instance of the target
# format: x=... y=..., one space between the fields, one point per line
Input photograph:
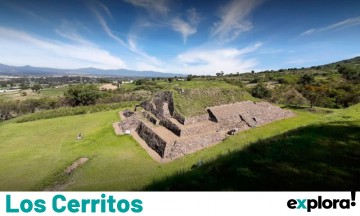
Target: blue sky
x=179 y=36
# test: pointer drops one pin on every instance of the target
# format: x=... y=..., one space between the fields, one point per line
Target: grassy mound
x=194 y=101
x=191 y=98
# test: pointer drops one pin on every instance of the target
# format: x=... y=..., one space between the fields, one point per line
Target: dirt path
x=60 y=186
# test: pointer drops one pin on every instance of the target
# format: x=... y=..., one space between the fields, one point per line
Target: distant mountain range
x=42 y=71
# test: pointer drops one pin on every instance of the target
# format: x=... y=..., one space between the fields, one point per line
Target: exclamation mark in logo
x=353 y=193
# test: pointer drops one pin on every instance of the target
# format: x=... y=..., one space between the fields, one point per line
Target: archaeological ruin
x=171 y=135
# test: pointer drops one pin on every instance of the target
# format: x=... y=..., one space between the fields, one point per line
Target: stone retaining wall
x=179 y=117
x=151 y=138
x=151 y=118
x=170 y=126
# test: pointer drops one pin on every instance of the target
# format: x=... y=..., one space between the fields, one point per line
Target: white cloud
x=68 y=30
x=104 y=8
x=106 y=28
x=233 y=19
x=183 y=28
x=272 y=51
x=21 y=48
x=25 y=11
x=211 y=61
x=152 y=6
x=193 y=16
x=131 y=44
x=337 y=26
x=310 y=31
x=185 y=24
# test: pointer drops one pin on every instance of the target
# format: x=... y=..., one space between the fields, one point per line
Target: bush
x=260 y=91
x=288 y=96
x=79 y=95
x=189 y=77
x=140 y=81
x=7 y=110
x=350 y=73
x=306 y=80
x=255 y=80
x=36 y=88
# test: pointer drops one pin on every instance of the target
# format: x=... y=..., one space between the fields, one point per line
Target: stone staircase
x=192 y=137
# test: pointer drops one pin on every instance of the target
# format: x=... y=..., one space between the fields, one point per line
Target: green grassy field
x=48 y=92
x=33 y=155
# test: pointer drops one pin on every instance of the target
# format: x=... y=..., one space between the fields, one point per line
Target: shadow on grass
x=294 y=107
x=313 y=158
x=309 y=109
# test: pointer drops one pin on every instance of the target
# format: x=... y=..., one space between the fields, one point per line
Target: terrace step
x=190 y=144
x=162 y=132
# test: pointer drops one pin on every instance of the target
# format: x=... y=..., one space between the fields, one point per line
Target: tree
x=7 y=110
x=306 y=80
x=24 y=86
x=28 y=106
x=103 y=80
x=260 y=91
x=140 y=81
x=79 y=95
x=189 y=77
x=220 y=74
x=36 y=88
x=313 y=94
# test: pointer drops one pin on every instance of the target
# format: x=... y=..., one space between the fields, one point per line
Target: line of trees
x=76 y=95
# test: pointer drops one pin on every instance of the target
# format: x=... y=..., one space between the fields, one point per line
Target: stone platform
x=171 y=135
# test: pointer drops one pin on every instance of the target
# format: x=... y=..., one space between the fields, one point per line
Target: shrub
x=78 y=95
x=350 y=73
x=7 y=110
x=306 y=80
x=260 y=91
x=189 y=77
x=288 y=96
